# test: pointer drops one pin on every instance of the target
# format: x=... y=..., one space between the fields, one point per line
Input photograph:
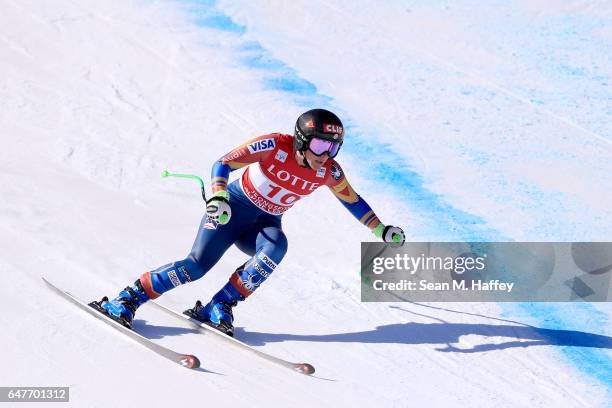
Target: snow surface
x=466 y=121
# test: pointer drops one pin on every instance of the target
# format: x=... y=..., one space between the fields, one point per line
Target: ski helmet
x=320 y=124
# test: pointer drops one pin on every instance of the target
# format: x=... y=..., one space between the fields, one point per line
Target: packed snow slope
x=464 y=122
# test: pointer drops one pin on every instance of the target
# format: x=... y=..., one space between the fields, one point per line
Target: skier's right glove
x=390 y=234
x=218 y=208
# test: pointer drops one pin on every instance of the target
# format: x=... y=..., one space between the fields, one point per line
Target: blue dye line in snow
x=582 y=317
x=208 y=15
x=396 y=173
x=398 y=176
x=280 y=76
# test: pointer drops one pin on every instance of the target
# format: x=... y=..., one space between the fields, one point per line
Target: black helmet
x=319 y=123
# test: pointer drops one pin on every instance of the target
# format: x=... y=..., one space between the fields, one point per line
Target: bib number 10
x=281 y=195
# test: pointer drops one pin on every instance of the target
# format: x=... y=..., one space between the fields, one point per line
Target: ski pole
x=166 y=173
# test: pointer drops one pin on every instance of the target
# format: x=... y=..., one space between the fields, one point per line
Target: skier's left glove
x=390 y=234
x=218 y=207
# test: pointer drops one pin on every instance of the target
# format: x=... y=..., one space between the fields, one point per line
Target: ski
x=302 y=368
x=185 y=360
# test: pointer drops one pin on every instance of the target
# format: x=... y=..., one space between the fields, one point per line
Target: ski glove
x=390 y=234
x=218 y=208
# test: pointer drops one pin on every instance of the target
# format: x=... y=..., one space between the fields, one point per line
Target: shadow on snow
x=447 y=334
x=440 y=332
x=444 y=334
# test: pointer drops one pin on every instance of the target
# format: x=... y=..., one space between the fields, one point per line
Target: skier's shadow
x=447 y=335
x=153 y=332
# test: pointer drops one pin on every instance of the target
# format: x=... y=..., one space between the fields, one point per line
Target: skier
x=281 y=170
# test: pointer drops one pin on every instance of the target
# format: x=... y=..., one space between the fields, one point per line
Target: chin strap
x=304 y=161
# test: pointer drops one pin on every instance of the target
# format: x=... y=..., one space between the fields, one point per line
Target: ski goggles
x=320 y=146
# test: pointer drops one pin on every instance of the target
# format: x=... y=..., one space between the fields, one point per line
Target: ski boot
x=123 y=307
x=218 y=312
